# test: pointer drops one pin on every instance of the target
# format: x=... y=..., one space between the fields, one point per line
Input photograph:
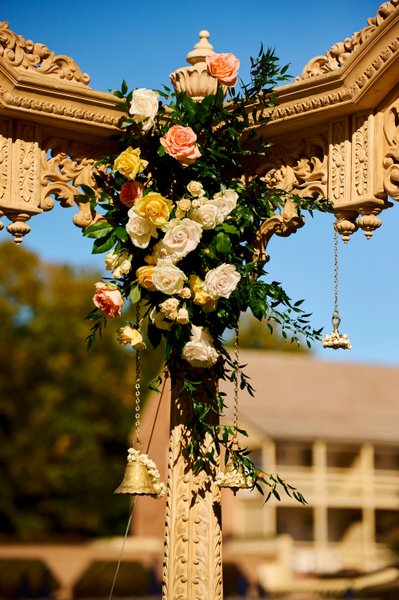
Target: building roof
x=300 y=397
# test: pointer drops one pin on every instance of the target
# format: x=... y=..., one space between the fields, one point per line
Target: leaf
x=98 y=230
x=223 y=243
x=135 y=294
x=103 y=245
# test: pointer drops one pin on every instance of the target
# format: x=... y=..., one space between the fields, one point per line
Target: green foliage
x=65 y=413
x=229 y=149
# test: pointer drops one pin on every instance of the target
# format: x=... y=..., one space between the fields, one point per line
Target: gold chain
x=137 y=386
x=235 y=417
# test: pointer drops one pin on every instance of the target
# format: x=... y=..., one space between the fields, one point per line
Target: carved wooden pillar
x=193 y=535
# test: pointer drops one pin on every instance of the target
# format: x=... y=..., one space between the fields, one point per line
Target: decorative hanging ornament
x=336 y=340
x=234 y=476
x=141 y=474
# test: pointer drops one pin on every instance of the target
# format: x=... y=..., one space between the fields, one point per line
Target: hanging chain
x=137 y=386
x=336 y=319
x=235 y=417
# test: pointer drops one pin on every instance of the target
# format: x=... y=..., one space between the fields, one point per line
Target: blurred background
x=324 y=421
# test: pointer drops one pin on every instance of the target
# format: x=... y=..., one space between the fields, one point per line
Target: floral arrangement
x=180 y=206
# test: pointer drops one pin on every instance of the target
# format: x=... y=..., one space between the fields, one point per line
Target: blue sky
x=143 y=42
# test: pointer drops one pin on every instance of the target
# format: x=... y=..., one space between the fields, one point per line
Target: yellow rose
x=129 y=163
x=200 y=296
x=155 y=208
x=129 y=335
x=144 y=277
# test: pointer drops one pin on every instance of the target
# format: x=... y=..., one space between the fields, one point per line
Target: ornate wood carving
x=391 y=150
x=18 y=52
x=339 y=53
x=193 y=543
x=65 y=166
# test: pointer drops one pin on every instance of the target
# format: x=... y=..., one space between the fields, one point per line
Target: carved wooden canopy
x=335 y=131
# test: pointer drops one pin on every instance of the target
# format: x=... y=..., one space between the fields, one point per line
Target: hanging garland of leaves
x=179 y=207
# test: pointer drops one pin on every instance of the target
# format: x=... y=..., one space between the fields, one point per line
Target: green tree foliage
x=65 y=413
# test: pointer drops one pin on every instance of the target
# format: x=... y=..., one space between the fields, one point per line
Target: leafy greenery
x=229 y=149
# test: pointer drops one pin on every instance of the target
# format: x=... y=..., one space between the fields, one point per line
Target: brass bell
x=235 y=479
x=137 y=480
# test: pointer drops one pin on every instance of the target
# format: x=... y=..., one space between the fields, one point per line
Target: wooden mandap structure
x=335 y=134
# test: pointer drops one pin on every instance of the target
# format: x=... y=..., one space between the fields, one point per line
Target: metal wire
x=134 y=499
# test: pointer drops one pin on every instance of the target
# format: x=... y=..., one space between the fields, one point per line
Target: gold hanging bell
x=235 y=478
x=141 y=477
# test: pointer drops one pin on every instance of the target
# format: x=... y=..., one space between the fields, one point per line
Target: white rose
x=180 y=238
x=208 y=215
x=168 y=278
x=185 y=293
x=195 y=189
x=222 y=281
x=140 y=229
x=226 y=201
x=144 y=107
x=120 y=264
x=169 y=308
x=182 y=316
x=199 y=351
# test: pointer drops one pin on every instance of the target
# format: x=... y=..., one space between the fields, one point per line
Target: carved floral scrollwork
x=339 y=53
x=391 y=154
x=300 y=168
x=193 y=543
x=18 y=52
x=65 y=166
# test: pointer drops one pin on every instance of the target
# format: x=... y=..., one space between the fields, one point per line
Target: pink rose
x=108 y=299
x=180 y=142
x=130 y=192
x=224 y=67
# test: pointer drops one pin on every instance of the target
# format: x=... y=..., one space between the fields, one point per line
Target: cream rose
x=222 y=281
x=144 y=107
x=108 y=299
x=182 y=316
x=140 y=230
x=181 y=237
x=155 y=208
x=160 y=320
x=128 y=335
x=224 y=67
x=199 y=351
x=180 y=142
x=208 y=215
x=169 y=308
x=119 y=263
x=168 y=278
x=195 y=189
x=226 y=201
x=129 y=163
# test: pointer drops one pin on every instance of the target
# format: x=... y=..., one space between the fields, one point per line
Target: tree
x=65 y=413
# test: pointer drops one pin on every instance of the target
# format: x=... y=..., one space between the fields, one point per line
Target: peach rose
x=180 y=142
x=130 y=192
x=108 y=299
x=224 y=67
